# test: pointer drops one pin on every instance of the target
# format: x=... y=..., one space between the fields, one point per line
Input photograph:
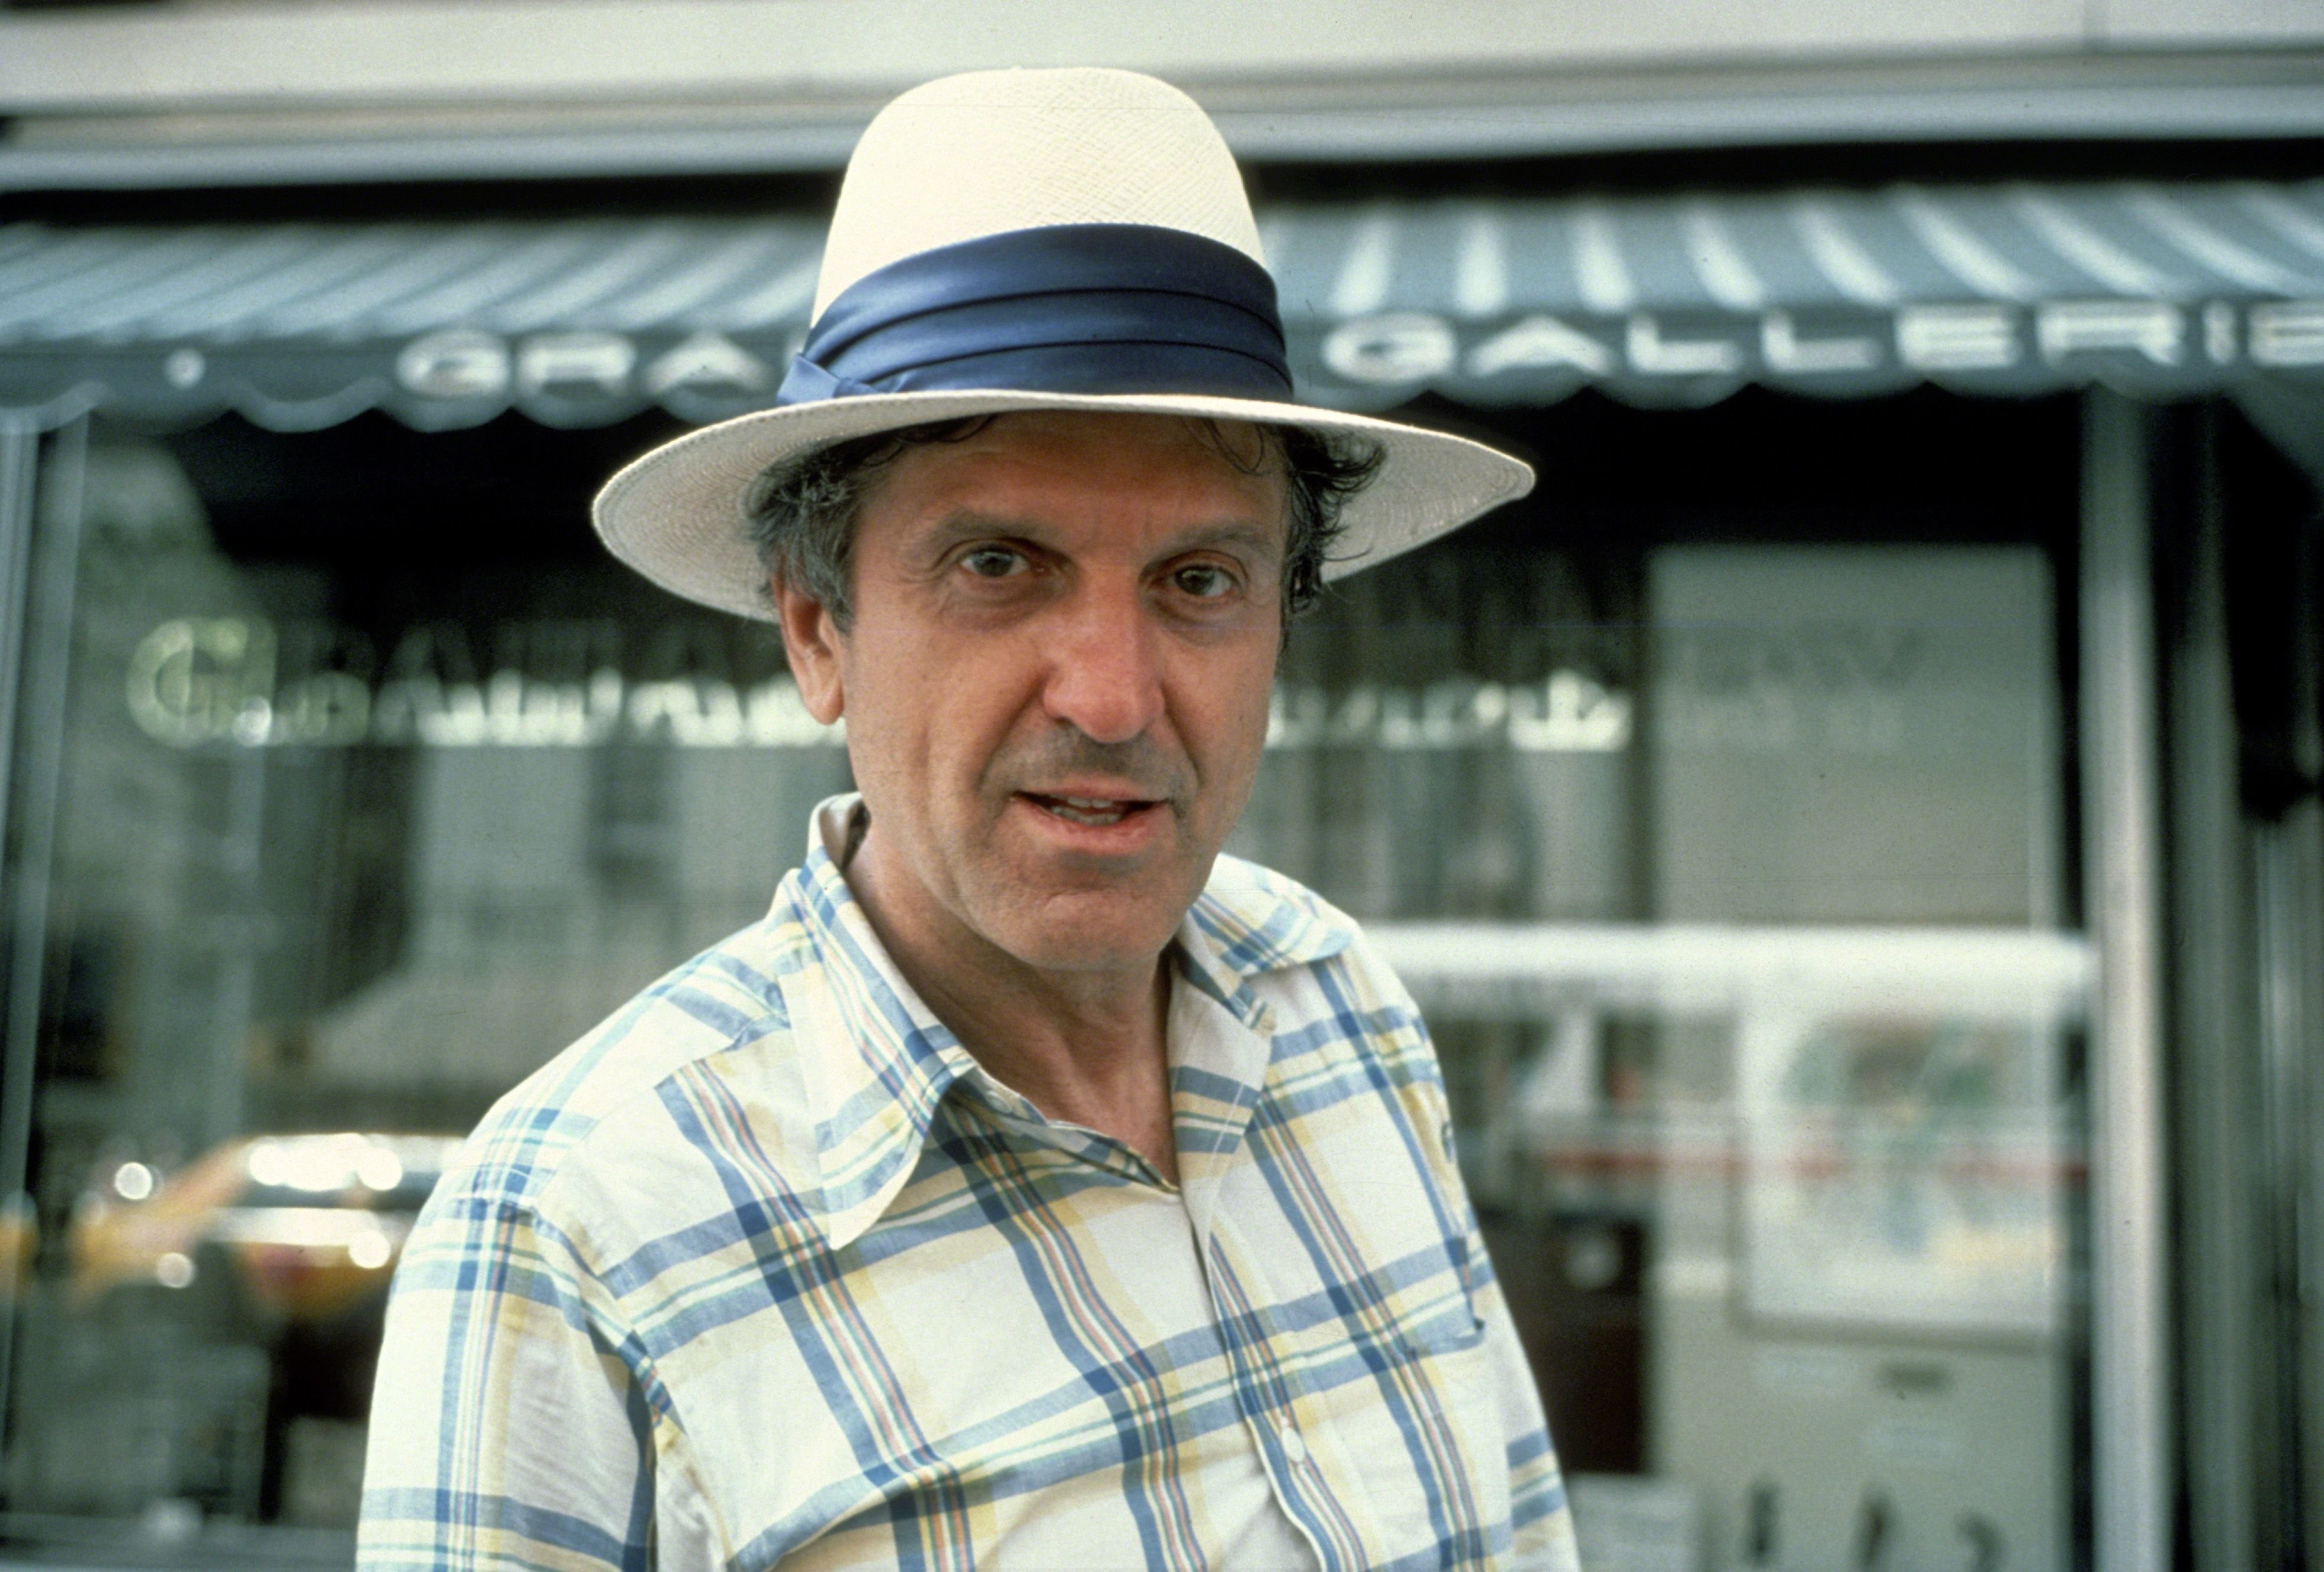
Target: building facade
x=1855 y=828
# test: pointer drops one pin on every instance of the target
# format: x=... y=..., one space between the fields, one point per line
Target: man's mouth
x=1095 y=811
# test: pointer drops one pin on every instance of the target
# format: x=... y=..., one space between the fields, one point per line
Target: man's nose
x=1105 y=676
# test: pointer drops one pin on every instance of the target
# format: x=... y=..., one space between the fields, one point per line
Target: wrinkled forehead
x=1155 y=468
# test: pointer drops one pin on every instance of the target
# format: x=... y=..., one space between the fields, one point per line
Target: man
x=1034 y=1187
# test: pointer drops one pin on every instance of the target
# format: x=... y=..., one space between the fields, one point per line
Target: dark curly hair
x=802 y=511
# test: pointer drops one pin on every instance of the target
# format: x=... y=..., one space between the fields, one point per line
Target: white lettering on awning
x=706 y=360
x=1786 y=351
x=1402 y=347
x=2219 y=331
x=1409 y=348
x=2288 y=333
x=1651 y=352
x=1956 y=338
x=460 y=363
x=2154 y=329
x=1539 y=341
x=601 y=360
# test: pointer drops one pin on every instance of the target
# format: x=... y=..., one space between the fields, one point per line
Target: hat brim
x=676 y=515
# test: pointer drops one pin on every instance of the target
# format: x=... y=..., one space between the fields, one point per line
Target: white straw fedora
x=1074 y=239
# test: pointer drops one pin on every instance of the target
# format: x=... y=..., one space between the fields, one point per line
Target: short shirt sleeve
x=507 y=1429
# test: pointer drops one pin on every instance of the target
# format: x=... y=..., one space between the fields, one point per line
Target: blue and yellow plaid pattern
x=766 y=1270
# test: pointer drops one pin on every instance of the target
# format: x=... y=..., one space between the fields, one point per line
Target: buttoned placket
x=1222 y=1037
x=1219 y=1044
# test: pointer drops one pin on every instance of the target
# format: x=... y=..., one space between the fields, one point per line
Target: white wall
x=407 y=51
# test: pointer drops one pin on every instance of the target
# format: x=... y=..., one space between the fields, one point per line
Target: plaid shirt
x=767 y=1271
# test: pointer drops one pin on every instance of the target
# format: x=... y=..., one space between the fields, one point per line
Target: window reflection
x=1727 y=876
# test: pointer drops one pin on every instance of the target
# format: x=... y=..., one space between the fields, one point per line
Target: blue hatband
x=1064 y=308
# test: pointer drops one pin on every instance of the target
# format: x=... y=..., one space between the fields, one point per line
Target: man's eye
x=1202 y=581
x=993 y=562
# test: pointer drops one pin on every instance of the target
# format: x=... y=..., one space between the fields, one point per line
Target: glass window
x=1723 y=840
x=1713 y=810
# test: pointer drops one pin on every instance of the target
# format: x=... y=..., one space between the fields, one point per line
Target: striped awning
x=2164 y=290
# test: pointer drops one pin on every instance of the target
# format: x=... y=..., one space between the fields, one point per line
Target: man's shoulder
x=1325 y=978
x=615 y=1097
x=1263 y=920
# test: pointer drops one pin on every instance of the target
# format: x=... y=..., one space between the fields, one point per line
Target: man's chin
x=1109 y=931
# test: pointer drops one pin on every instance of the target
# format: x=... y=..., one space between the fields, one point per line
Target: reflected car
x=312 y=1223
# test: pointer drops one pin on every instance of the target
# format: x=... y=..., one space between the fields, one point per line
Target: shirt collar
x=1246 y=923
x=1249 y=921
x=877 y=1062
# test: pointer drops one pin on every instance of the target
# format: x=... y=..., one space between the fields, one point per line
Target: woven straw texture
x=985 y=153
x=990 y=151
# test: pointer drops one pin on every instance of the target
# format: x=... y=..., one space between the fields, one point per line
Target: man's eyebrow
x=968 y=524
x=937 y=537
x=1230 y=533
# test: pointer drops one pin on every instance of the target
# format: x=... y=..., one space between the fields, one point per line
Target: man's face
x=1056 y=679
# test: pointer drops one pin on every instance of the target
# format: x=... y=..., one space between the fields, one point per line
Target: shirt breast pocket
x=1457 y=1405
x=1453 y=1319
x=1454 y=1359
x=1435 y=1463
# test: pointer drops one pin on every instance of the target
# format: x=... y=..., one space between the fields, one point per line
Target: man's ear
x=811 y=642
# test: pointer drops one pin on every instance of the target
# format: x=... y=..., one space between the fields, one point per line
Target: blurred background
x=1855 y=828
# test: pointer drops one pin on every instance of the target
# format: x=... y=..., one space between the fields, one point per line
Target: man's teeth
x=1087 y=810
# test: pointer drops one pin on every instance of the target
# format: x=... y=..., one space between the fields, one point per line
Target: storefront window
x=1724 y=852
x=1731 y=884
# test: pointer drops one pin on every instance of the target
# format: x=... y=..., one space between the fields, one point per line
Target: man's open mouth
x=1098 y=811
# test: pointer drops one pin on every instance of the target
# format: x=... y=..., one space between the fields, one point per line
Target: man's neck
x=1087 y=1048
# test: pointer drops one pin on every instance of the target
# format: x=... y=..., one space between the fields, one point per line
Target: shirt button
x=1294 y=1446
